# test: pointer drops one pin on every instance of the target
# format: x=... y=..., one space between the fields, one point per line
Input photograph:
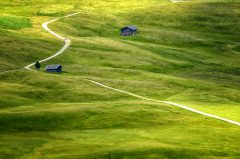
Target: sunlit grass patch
x=184 y=52
x=54 y=9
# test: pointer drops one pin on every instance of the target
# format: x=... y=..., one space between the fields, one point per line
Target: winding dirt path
x=67 y=41
x=166 y=102
x=67 y=44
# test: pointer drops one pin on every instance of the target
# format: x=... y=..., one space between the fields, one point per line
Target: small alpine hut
x=129 y=31
x=54 y=68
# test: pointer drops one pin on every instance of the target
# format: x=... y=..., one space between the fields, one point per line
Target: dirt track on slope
x=67 y=44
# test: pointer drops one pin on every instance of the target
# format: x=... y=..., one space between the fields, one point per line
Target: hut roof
x=52 y=67
x=133 y=28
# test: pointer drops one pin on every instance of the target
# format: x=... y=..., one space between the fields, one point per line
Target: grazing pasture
x=186 y=52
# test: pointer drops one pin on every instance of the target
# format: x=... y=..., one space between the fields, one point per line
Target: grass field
x=187 y=53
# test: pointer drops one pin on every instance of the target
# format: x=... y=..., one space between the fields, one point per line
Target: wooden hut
x=129 y=31
x=54 y=68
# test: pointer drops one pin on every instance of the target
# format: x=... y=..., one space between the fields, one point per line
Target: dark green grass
x=14 y=22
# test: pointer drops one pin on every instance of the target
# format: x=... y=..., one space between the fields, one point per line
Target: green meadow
x=187 y=52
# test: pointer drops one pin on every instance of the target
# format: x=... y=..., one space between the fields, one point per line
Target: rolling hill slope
x=184 y=52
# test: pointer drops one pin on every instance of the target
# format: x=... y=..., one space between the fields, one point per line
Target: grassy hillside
x=185 y=52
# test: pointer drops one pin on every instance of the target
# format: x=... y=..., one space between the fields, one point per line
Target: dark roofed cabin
x=129 y=31
x=54 y=68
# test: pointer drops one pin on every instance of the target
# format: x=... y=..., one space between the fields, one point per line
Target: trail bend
x=67 y=44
